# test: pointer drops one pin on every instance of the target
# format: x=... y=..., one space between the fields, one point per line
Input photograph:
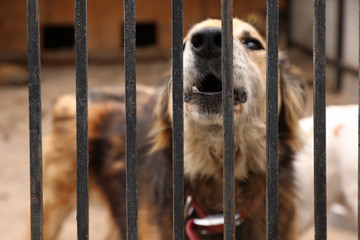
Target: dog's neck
x=203 y=150
x=208 y=193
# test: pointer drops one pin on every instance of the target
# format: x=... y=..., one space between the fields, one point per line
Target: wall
x=105 y=19
x=302 y=27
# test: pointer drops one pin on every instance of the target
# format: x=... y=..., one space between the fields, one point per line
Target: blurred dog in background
x=341 y=158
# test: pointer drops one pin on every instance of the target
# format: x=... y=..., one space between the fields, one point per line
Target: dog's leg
x=59 y=185
x=55 y=213
x=59 y=178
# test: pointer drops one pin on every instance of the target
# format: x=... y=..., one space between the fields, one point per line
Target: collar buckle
x=216 y=220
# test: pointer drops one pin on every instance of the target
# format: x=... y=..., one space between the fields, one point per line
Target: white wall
x=302 y=27
x=351 y=32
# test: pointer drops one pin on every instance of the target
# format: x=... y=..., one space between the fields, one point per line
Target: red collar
x=212 y=224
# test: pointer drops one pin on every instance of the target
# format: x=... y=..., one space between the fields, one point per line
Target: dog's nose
x=206 y=42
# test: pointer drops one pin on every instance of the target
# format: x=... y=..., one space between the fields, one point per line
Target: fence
x=130 y=76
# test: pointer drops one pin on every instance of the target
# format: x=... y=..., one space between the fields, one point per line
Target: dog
x=12 y=74
x=342 y=170
x=203 y=144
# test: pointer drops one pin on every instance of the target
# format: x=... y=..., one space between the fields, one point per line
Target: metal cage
x=130 y=78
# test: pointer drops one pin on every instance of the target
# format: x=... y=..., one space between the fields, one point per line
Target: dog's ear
x=292 y=87
x=161 y=130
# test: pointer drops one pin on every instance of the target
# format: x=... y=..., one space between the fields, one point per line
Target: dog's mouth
x=209 y=85
x=207 y=95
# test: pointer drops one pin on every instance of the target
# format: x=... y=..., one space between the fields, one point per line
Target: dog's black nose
x=206 y=42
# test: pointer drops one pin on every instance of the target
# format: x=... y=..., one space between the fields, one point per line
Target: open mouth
x=208 y=95
x=210 y=84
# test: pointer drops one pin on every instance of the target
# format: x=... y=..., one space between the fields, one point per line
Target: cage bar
x=34 y=66
x=178 y=119
x=82 y=120
x=228 y=108
x=319 y=62
x=131 y=129
x=339 y=47
x=272 y=129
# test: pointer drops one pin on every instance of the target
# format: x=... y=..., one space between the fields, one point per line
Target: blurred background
x=153 y=31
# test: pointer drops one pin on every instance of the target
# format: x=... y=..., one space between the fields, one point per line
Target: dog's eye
x=252 y=44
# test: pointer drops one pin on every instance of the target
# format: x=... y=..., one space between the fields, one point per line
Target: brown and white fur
x=203 y=144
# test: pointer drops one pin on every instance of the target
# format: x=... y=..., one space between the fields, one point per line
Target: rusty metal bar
x=131 y=128
x=228 y=108
x=272 y=129
x=319 y=119
x=34 y=66
x=82 y=119
x=178 y=122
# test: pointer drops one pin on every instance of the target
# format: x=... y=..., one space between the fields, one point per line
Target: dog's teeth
x=195 y=89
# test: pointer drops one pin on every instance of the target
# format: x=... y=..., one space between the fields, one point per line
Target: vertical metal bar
x=131 y=140
x=82 y=119
x=340 y=40
x=319 y=119
x=36 y=195
x=178 y=122
x=228 y=107
x=272 y=118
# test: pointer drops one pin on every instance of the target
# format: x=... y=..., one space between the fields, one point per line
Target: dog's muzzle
x=206 y=92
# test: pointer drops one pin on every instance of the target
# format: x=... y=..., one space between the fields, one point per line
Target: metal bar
x=272 y=132
x=228 y=108
x=340 y=40
x=178 y=119
x=34 y=66
x=131 y=139
x=319 y=119
x=82 y=119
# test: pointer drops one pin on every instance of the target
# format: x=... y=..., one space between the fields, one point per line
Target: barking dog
x=203 y=144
